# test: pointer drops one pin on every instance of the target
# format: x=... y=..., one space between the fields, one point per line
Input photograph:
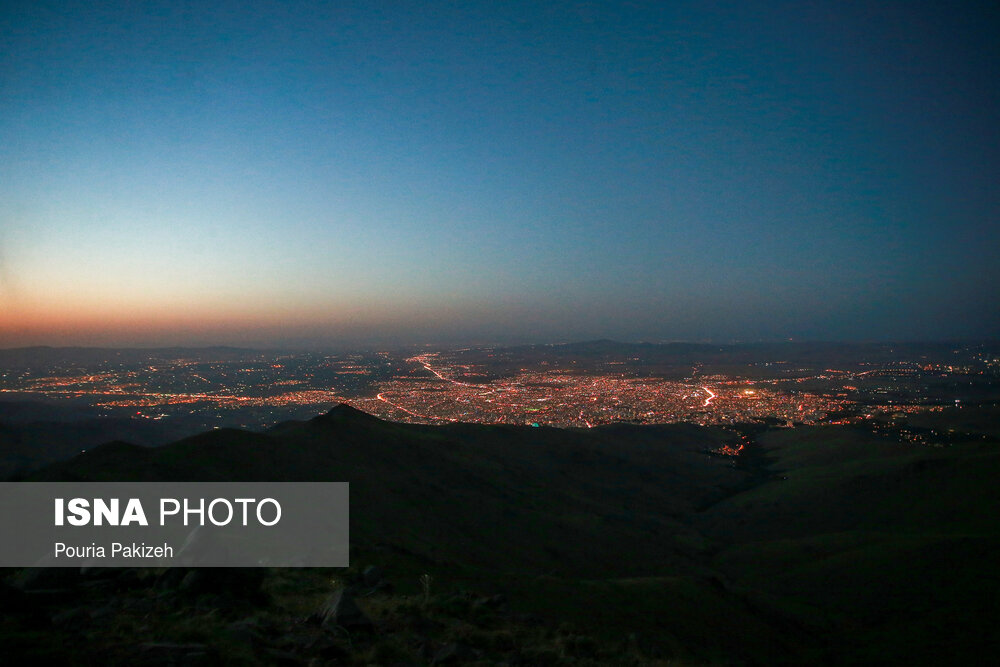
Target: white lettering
x=103 y=511
x=277 y=511
x=200 y=511
x=134 y=513
x=79 y=509
x=211 y=513
x=163 y=509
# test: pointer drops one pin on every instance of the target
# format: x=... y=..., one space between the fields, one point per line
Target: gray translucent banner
x=160 y=524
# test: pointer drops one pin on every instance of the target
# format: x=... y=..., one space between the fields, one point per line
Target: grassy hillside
x=614 y=545
x=563 y=501
x=893 y=544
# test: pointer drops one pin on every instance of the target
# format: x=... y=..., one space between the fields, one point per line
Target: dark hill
x=562 y=500
x=35 y=433
x=827 y=545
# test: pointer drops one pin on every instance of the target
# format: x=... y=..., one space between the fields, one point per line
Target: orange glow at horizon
x=66 y=322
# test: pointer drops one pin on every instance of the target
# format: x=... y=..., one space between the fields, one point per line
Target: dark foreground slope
x=521 y=498
x=894 y=545
x=616 y=545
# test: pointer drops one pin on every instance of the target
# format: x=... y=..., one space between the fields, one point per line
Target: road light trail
x=710 y=396
x=422 y=360
x=411 y=412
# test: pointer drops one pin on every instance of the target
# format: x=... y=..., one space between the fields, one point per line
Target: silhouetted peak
x=342 y=412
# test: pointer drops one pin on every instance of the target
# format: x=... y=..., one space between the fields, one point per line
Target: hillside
x=565 y=500
x=817 y=545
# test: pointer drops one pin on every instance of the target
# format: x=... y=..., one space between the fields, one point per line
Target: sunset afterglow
x=311 y=174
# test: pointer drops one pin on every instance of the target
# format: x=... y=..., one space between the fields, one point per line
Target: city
x=562 y=386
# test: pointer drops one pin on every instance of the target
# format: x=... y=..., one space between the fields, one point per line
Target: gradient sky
x=330 y=173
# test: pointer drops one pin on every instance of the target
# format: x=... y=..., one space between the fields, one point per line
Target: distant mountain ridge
x=806 y=352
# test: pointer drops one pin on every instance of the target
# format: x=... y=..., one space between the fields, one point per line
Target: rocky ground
x=285 y=617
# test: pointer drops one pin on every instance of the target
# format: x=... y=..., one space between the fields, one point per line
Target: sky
x=308 y=174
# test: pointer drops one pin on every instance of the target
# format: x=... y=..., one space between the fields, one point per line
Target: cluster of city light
x=435 y=388
x=560 y=398
x=308 y=397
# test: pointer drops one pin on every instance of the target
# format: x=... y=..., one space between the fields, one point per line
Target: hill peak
x=343 y=412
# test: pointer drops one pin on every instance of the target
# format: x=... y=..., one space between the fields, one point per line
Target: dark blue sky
x=348 y=172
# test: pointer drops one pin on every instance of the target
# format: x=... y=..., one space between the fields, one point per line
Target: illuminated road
x=411 y=412
x=710 y=396
x=422 y=360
